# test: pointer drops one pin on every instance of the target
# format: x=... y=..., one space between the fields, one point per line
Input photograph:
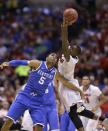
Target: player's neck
x=49 y=65
x=85 y=88
x=74 y=56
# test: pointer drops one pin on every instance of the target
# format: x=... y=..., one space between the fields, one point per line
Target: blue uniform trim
x=51 y=109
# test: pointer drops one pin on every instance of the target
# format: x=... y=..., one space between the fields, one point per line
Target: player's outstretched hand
x=4 y=64
x=65 y=22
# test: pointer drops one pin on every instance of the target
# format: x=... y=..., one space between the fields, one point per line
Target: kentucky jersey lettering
x=40 y=72
x=39 y=79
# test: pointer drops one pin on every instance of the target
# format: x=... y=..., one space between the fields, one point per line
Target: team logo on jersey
x=40 y=72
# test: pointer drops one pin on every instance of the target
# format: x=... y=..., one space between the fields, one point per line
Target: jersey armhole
x=28 y=62
x=38 y=66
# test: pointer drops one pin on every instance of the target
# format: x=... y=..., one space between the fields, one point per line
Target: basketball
x=70 y=15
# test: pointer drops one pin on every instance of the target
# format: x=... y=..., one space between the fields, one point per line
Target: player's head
x=52 y=58
x=85 y=81
x=75 y=50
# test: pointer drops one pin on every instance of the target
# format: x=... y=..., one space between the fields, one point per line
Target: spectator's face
x=85 y=81
x=5 y=105
x=106 y=81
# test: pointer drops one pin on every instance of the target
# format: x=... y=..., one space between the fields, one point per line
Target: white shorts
x=89 y=124
x=68 y=96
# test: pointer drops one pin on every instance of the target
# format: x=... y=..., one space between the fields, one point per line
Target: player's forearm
x=64 y=39
x=99 y=105
x=58 y=96
x=71 y=86
x=102 y=99
x=18 y=62
x=64 y=29
x=101 y=102
x=66 y=82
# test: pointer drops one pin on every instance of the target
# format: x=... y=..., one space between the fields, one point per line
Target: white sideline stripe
x=11 y=119
x=56 y=130
x=38 y=124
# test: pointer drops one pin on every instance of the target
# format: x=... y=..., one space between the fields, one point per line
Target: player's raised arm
x=70 y=16
x=68 y=84
x=64 y=36
x=13 y=63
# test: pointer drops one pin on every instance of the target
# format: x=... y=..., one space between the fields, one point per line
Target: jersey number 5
x=42 y=80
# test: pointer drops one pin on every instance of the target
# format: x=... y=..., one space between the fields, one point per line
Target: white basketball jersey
x=67 y=68
x=91 y=97
x=68 y=96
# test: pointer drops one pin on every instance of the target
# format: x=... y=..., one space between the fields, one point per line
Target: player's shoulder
x=94 y=88
x=34 y=63
x=72 y=59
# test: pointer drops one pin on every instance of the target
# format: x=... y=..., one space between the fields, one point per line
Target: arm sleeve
x=18 y=62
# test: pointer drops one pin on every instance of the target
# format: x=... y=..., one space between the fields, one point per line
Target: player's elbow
x=64 y=82
x=106 y=99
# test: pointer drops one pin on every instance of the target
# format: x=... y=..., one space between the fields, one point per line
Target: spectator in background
x=22 y=72
x=105 y=92
x=3 y=51
x=3 y=111
x=12 y=4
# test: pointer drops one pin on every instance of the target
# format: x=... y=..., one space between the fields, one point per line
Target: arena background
x=30 y=29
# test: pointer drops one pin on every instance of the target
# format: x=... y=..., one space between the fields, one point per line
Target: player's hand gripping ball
x=70 y=15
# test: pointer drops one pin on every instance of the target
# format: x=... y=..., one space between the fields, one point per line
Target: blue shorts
x=17 y=109
x=66 y=123
x=51 y=118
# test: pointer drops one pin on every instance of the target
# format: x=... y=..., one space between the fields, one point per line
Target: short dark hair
x=87 y=77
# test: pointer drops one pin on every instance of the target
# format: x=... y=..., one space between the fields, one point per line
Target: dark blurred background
x=30 y=29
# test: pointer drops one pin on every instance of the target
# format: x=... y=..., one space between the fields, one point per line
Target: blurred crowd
x=28 y=32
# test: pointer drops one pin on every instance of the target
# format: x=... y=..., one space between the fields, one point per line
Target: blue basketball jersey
x=51 y=109
x=49 y=97
x=39 y=80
